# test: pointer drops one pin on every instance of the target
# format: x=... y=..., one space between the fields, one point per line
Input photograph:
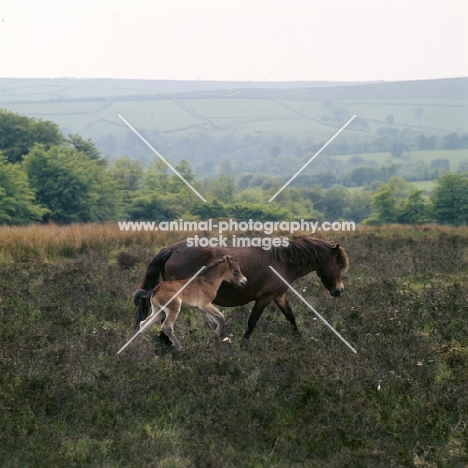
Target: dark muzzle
x=336 y=292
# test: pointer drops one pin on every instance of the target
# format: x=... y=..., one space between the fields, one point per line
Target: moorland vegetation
x=278 y=400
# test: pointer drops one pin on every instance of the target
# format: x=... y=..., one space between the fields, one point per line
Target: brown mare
x=303 y=255
x=198 y=293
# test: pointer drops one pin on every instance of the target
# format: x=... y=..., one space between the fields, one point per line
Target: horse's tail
x=142 y=297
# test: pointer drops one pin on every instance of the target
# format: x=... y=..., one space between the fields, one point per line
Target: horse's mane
x=307 y=250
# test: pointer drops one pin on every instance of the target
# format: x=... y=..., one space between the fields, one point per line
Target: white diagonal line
x=163 y=307
x=313 y=310
x=159 y=156
x=312 y=158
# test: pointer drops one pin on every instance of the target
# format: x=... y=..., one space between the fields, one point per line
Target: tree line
x=47 y=177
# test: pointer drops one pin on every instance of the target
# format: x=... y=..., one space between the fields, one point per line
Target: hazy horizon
x=338 y=82
x=344 y=41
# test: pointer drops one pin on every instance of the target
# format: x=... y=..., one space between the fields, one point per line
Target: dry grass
x=51 y=242
x=410 y=229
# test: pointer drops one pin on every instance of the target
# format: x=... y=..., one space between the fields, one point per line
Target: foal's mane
x=307 y=250
x=213 y=265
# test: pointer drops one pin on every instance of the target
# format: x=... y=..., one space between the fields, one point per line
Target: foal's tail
x=142 y=297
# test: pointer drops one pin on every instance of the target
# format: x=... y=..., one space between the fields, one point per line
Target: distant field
x=426 y=185
x=208 y=122
x=56 y=110
x=157 y=115
x=455 y=157
x=237 y=108
x=152 y=106
x=300 y=119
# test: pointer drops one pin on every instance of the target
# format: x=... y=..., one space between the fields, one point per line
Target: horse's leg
x=213 y=316
x=284 y=306
x=257 y=311
x=167 y=328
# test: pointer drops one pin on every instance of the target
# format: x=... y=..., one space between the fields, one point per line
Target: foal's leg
x=156 y=313
x=214 y=317
x=167 y=328
x=257 y=311
x=284 y=306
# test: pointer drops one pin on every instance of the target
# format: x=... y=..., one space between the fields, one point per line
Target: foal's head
x=232 y=272
x=330 y=272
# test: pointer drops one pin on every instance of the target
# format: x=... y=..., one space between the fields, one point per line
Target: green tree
x=240 y=211
x=451 y=141
x=181 y=190
x=389 y=171
x=462 y=166
x=223 y=187
x=426 y=143
x=275 y=151
x=418 y=171
x=73 y=187
x=333 y=202
x=450 y=199
x=127 y=173
x=18 y=134
x=297 y=205
x=327 y=178
x=358 y=205
x=87 y=147
x=128 y=176
x=156 y=176
x=250 y=195
x=440 y=165
x=184 y=168
x=362 y=175
x=149 y=205
x=414 y=209
x=164 y=196
x=388 y=201
x=17 y=198
x=384 y=203
x=397 y=149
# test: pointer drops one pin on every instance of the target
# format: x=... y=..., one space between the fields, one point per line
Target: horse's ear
x=337 y=248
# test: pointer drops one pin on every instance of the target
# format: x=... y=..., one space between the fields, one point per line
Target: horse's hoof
x=245 y=344
x=163 y=338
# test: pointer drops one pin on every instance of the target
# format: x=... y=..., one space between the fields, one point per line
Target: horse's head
x=233 y=274
x=330 y=272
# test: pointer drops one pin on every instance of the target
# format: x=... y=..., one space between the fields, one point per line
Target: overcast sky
x=339 y=40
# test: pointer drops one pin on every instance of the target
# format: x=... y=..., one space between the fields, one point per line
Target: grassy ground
x=68 y=399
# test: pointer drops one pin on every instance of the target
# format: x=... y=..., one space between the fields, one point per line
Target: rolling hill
x=247 y=124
